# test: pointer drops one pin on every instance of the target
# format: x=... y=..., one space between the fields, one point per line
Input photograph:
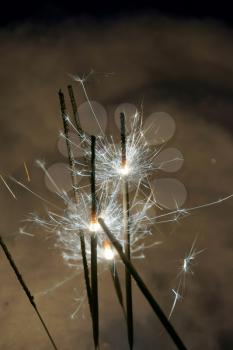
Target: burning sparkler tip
x=108 y=252
x=124 y=170
x=94 y=226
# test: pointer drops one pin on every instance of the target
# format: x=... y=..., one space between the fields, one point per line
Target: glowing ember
x=94 y=226
x=108 y=252
x=124 y=170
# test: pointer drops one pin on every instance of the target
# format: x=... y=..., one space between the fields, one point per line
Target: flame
x=94 y=225
x=108 y=252
x=124 y=169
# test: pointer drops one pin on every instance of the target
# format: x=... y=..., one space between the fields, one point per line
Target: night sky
x=55 y=11
x=175 y=59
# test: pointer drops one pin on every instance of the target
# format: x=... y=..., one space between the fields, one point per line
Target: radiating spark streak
x=41 y=165
x=177 y=297
x=72 y=125
x=136 y=192
x=73 y=144
x=57 y=285
x=23 y=232
x=185 y=211
x=81 y=81
x=160 y=165
x=26 y=171
x=185 y=268
x=7 y=186
x=144 y=246
x=220 y=200
x=153 y=195
x=81 y=301
x=34 y=193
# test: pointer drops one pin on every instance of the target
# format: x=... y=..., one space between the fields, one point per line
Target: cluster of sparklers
x=107 y=221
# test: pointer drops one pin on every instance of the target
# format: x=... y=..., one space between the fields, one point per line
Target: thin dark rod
x=149 y=297
x=26 y=290
x=117 y=285
x=93 y=186
x=126 y=213
x=94 y=272
x=74 y=185
x=68 y=144
x=75 y=111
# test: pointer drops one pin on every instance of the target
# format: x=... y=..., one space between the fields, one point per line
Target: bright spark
x=23 y=232
x=124 y=170
x=186 y=268
x=94 y=226
x=26 y=171
x=189 y=258
x=7 y=186
x=107 y=250
x=177 y=297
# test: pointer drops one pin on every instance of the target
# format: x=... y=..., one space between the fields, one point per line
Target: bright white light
x=108 y=252
x=124 y=170
x=94 y=226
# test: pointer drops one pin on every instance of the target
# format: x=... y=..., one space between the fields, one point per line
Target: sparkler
x=72 y=165
x=125 y=198
x=26 y=290
x=94 y=229
x=109 y=255
x=75 y=111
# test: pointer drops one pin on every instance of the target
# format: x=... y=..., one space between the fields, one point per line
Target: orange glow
x=108 y=252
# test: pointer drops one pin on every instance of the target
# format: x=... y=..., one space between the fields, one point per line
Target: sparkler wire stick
x=75 y=111
x=69 y=150
x=26 y=290
x=117 y=285
x=125 y=197
x=72 y=166
x=153 y=303
x=94 y=275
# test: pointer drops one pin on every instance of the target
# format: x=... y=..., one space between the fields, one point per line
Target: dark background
x=54 y=11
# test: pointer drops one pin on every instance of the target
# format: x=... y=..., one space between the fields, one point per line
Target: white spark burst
x=177 y=296
x=109 y=168
x=74 y=219
x=188 y=262
x=185 y=269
